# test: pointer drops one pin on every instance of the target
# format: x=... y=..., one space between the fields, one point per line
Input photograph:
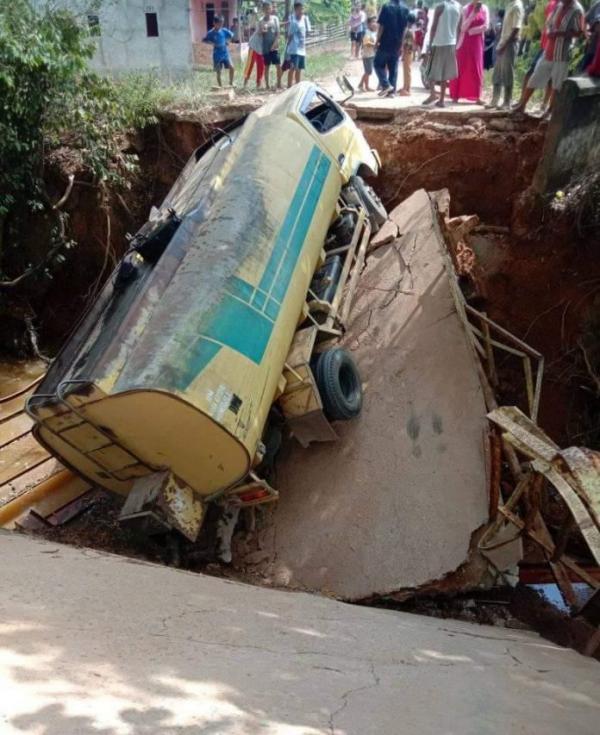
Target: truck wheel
x=371 y=202
x=339 y=384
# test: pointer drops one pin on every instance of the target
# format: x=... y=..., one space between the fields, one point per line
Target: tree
x=47 y=93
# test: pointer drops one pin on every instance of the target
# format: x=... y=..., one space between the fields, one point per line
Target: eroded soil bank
x=485 y=162
x=542 y=286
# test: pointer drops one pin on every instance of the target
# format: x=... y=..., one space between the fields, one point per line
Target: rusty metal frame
x=355 y=256
x=531 y=471
x=518 y=348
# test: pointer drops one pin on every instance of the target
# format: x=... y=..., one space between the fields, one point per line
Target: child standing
x=298 y=28
x=255 y=55
x=369 y=42
x=219 y=37
x=408 y=50
x=271 y=29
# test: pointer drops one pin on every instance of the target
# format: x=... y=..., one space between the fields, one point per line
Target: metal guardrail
x=326 y=32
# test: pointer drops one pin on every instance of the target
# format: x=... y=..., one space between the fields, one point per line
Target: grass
x=146 y=94
x=325 y=63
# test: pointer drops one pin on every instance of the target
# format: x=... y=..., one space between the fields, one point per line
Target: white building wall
x=123 y=44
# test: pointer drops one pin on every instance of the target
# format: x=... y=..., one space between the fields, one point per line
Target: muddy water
x=14 y=376
x=18 y=449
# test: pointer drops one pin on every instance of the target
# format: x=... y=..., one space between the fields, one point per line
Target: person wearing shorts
x=298 y=28
x=271 y=30
x=357 y=23
x=565 y=24
x=219 y=37
x=368 y=53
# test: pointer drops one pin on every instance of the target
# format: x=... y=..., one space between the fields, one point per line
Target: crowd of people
x=455 y=43
x=263 y=46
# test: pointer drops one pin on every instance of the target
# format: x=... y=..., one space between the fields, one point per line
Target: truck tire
x=339 y=384
x=371 y=202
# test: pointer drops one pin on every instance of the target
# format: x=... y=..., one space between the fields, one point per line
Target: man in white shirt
x=506 y=55
x=441 y=65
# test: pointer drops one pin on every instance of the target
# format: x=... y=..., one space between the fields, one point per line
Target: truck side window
x=322 y=113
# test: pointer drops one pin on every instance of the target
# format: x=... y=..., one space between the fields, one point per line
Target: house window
x=151 y=25
x=93 y=24
x=225 y=13
x=210 y=15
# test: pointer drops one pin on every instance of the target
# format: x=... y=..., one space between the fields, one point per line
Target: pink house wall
x=203 y=10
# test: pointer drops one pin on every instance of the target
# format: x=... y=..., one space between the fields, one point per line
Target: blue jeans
x=386 y=64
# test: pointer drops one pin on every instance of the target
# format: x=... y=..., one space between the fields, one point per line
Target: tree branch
x=32 y=270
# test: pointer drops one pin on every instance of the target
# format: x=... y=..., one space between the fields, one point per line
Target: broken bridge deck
x=394 y=503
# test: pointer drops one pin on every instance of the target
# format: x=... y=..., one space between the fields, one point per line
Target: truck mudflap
x=161 y=502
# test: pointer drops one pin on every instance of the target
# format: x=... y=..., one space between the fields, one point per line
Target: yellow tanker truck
x=221 y=315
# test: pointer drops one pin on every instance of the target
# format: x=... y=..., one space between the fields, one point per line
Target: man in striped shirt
x=565 y=24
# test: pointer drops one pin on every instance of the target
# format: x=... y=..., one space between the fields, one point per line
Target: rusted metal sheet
x=584 y=465
x=574 y=472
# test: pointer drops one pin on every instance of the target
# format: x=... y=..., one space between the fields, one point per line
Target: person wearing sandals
x=442 y=66
x=392 y=21
x=368 y=53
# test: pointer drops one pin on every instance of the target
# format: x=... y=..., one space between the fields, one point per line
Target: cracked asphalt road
x=96 y=644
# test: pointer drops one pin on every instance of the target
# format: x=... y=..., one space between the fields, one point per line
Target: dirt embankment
x=485 y=162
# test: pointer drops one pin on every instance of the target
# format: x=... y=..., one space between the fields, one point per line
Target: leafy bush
x=41 y=58
x=329 y=11
x=48 y=96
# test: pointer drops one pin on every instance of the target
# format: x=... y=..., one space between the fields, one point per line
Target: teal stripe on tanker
x=294 y=214
x=238 y=321
x=298 y=234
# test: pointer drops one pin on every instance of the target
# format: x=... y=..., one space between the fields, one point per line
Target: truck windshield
x=321 y=111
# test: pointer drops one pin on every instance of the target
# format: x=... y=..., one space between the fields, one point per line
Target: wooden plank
x=17 y=427
x=495 y=473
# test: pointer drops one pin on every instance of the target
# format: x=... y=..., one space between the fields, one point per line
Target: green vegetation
x=329 y=11
x=325 y=63
x=48 y=95
x=144 y=95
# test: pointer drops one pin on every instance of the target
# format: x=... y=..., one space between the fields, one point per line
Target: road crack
x=346 y=696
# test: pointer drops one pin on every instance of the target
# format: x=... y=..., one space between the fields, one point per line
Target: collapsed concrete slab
x=393 y=503
x=98 y=644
